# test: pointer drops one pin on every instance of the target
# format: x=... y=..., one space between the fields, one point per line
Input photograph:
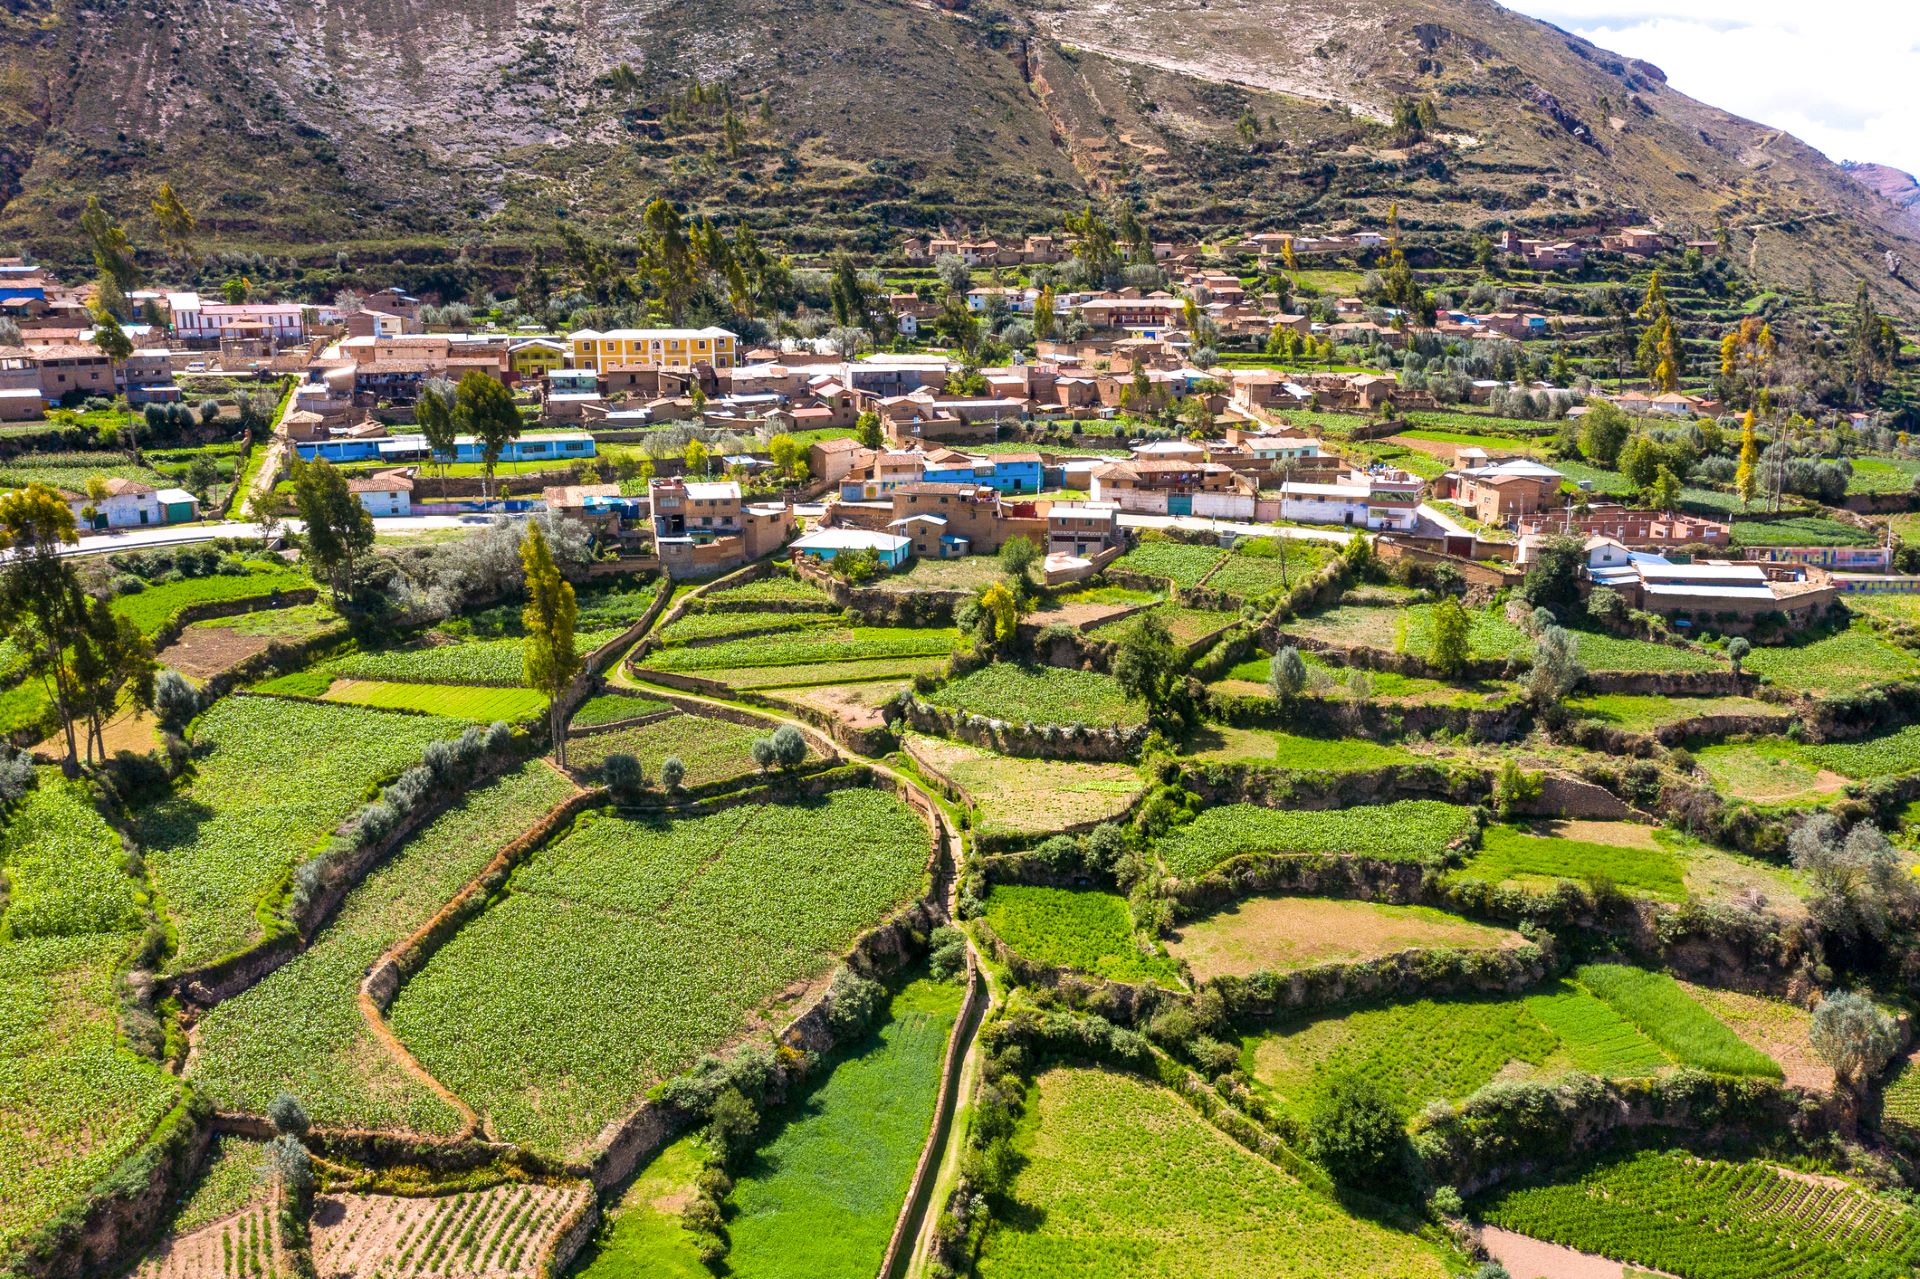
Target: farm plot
x=968 y=573
x=1648 y=713
x=612 y=707
x=1407 y=830
x=155 y=607
x=1900 y=1101
x=1490 y=636
x=1619 y=853
x=712 y=750
x=1663 y=1012
x=1714 y=1219
x=276 y=776
x=290 y=624
x=646 y=1238
x=1071 y=928
x=1290 y=751
x=860 y=706
x=1844 y=662
x=816 y=674
x=777 y=589
x=1177 y=562
x=488 y=661
x=820 y=1199
x=1253 y=575
x=1350 y=626
x=1799 y=530
x=246 y=1245
x=716 y=627
x=827 y=646
x=1279 y=934
x=479 y=703
x=1445 y=1049
x=300 y=1029
x=1020 y=694
x=1122 y=1178
x=1029 y=796
x=624 y=951
x=1769 y=771
x=1187 y=626
x=502 y=1233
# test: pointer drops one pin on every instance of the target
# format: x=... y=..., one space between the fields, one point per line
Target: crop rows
x=1844 y=662
x=482 y=704
x=1667 y=1015
x=1799 y=530
x=300 y=1029
x=712 y=628
x=777 y=589
x=1252 y=576
x=64 y=865
x=612 y=707
x=1040 y=695
x=629 y=948
x=1062 y=927
x=838 y=644
x=488 y=1234
x=711 y=750
x=1875 y=757
x=1407 y=830
x=1709 y=1219
x=275 y=778
x=1509 y=853
x=819 y=673
x=1177 y=562
x=245 y=1246
x=493 y=661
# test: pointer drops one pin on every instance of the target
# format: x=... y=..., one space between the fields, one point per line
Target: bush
x=175 y=700
x=287 y=1115
x=1357 y=1134
x=852 y=1001
x=789 y=747
x=623 y=774
x=672 y=772
x=947 y=952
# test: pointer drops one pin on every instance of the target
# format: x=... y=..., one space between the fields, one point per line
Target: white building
x=131 y=504
x=1350 y=505
x=196 y=319
x=384 y=495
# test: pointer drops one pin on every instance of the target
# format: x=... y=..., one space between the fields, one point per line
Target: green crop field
x=819 y=1200
x=1181 y=563
x=481 y=703
x=1352 y=626
x=1187 y=626
x=712 y=628
x=1655 y=1003
x=1252 y=576
x=829 y=645
x=712 y=750
x=1040 y=695
x=1444 y=1049
x=481 y=661
x=1844 y=662
x=1030 y=796
x=1900 y=1101
x=1294 y=752
x=1714 y=1219
x=293 y=623
x=611 y=708
x=1883 y=475
x=1769 y=770
x=275 y=779
x=1637 y=863
x=1407 y=830
x=154 y=607
x=1121 y=1179
x=300 y=1029
x=645 y=1238
x=624 y=951
x=777 y=589
x=1648 y=713
x=1490 y=636
x=811 y=674
x=1070 y=928
x=1799 y=530
x=74 y=1099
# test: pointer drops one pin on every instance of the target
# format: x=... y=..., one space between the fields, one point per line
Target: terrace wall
x=1111 y=743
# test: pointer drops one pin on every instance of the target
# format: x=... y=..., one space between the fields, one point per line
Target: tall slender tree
x=551 y=661
x=338 y=528
x=484 y=408
x=433 y=413
x=42 y=608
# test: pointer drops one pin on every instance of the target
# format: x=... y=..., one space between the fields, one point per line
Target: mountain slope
x=426 y=127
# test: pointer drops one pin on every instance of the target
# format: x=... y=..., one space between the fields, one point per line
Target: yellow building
x=663 y=348
x=534 y=358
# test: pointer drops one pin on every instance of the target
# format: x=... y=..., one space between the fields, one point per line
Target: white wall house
x=384 y=495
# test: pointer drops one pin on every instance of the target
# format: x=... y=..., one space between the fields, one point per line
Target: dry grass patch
x=203 y=652
x=1775 y=1027
x=855 y=705
x=1277 y=934
x=1029 y=796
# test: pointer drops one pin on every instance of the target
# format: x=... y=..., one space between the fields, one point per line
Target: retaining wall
x=1113 y=744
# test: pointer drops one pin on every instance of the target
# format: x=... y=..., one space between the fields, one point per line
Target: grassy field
x=460 y=701
x=1180 y=563
x=613 y=707
x=300 y=1029
x=624 y=951
x=1799 y=530
x=1406 y=830
x=644 y=1238
x=1714 y=1219
x=153 y=608
x=1492 y=638
x=1278 y=934
x=1122 y=1179
x=1771 y=770
x=1844 y=662
x=1040 y=695
x=1619 y=853
x=1030 y=796
x=1070 y=928
x=712 y=750
x=74 y=1100
x=1647 y=713
x=819 y=1200
x=275 y=777
x=1289 y=751
x=819 y=646
x=294 y=623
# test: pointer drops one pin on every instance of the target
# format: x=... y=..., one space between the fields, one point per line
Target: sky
x=1842 y=75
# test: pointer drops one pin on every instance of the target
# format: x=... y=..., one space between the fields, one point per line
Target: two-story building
x=660 y=348
x=196 y=319
x=703 y=527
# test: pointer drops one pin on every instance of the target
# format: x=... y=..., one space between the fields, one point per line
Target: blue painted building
x=551 y=446
x=1009 y=473
x=891 y=549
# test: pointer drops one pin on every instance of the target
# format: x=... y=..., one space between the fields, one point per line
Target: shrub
x=789 y=747
x=623 y=774
x=672 y=772
x=947 y=952
x=175 y=701
x=287 y=1115
x=1358 y=1135
x=852 y=1001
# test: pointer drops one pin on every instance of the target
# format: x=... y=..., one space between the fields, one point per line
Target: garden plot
x=1625 y=854
x=613 y=707
x=814 y=674
x=819 y=1200
x=1179 y=563
x=1017 y=694
x=1251 y=679
x=273 y=780
x=1187 y=626
x=858 y=706
x=711 y=750
x=503 y=1233
x=623 y=952
x=245 y=1245
x=1648 y=713
x=1844 y=662
x=645 y=1237
x=1773 y=1027
x=826 y=646
x=1122 y=1179
x=1015 y=797
x=217 y=645
x=1350 y=626
x=479 y=703
x=776 y=589
x=1715 y=1219
x=301 y=1028
x=1263 y=748
x=1277 y=566
x=1073 y=928
x=1407 y=830
x=155 y=608
x=1769 y=771
x=697 y=629
x=1278 y=934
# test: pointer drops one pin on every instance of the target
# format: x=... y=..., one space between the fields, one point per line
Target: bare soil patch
x=238 y=1246
x=203 y=652
x=501 y=1233
x=1776 y=1028
x=855 y=705
x=1275 y=934
x=1528 y=1258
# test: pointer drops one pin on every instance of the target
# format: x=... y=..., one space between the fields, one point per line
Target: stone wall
x=1065 y=741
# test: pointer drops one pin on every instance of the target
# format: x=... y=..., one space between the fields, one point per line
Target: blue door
x=1180 y=504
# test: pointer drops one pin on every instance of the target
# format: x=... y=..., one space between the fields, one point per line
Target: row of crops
x=502 y=1232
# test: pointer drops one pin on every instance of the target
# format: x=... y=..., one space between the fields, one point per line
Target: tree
x=1556 y=669
x=287 y=1115
x=783 y=451
x=112 y=251
x=1664 y=493
x=338 y=527
x=1146 y=663
x=623 y=774
x=236 y=290
x=1746 y=476
x=1287 y=675
x=1554 y=576
x=1358 y=1135
x=42 y=608
x=110 y=337
x=1093 y=245
x=672 y=772
x=1737 y=649
x=550 y=659
x=483 y=407
x=434 y=414
x=1000 y=607
x=1602 y=433
x=868 y=431
x=1860 y=888
x=176 y=223
x=1017 y=555
x=695 y=458
x=1451 y=630
x=667 y=258
x=175 y=700
x=789 y=747
x=1854 y=1037
x=762 y=751
x=1043 y=313
x=111 y=657
x=1659 y=353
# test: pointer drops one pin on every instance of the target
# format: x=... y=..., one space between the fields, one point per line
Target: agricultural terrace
x=1648 y=713
x=505 y=1232
x=1771 y=771
x=154 y=608
x=1187 y=626
x=75 y=1100
x=1715 y=1219
x=819 y=1200
x=478 y=703
x=1260 y=567
x=1118 y=1176
x=1407 y=830
x=1291 y=752
x=614 y=707
x=1076 y=928
x=1280 y=934
x=1491 y=637
x=645 y=1237
x=1336 y=683
x=1017 y=694
x=1833 y=665
x=1181 y=564
x=1019 y=797
x=745 y=649
x=1606 y=1020
x=711 y=750
x=272 y=779
x=245 y=1245
x=301 y=1030
x=621 y=953
x=1621 y=853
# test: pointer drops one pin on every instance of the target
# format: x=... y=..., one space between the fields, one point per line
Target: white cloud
x=1843 y=76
